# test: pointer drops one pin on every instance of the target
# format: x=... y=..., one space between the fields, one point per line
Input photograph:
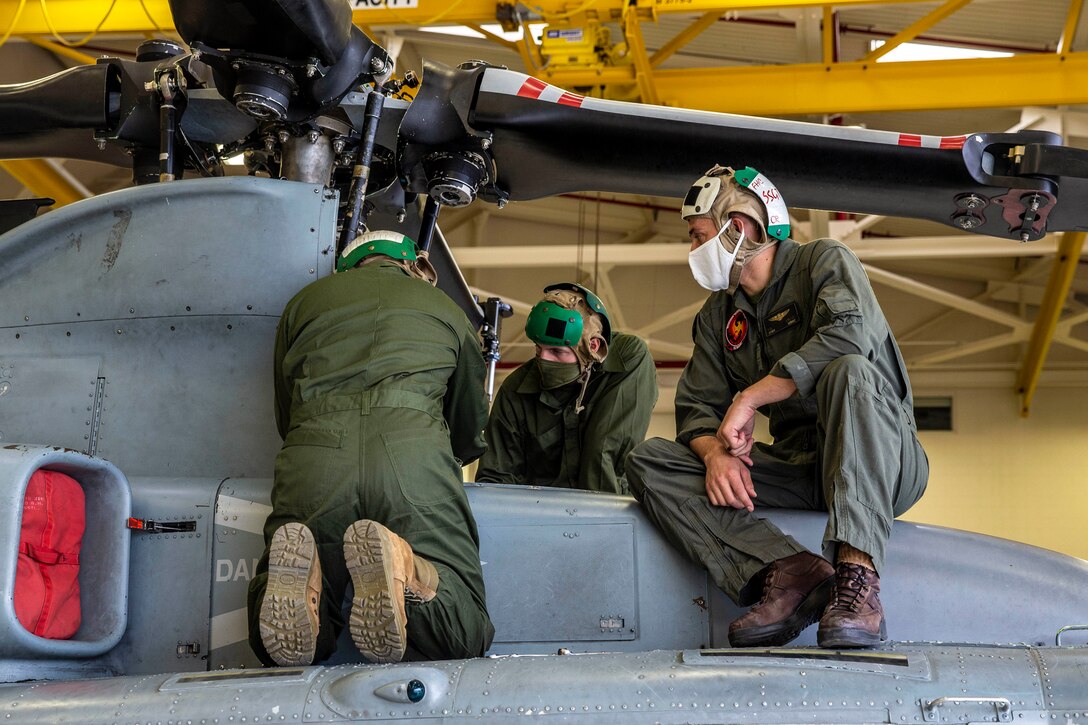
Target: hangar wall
x=1018 y=478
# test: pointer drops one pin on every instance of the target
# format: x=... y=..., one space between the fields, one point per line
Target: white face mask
x=711 y=264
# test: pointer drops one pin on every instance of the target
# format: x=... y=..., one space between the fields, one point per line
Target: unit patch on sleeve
x=736 y=330
x=782 y=319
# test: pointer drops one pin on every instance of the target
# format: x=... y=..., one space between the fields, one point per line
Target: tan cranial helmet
x=720 y=191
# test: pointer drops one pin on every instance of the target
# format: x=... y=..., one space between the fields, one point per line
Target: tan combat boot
x=854 y=617
x=386 y=575
x=795 y=591
x=289 y=611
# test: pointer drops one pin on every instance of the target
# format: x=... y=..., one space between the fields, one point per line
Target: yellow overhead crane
x=578 y=53
x=629 y=71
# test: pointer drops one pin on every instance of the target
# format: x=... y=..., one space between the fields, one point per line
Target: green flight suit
x=379 y=400
x=534 y=437
x=845 y=442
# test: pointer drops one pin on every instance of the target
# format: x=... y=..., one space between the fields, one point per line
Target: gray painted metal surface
x=172 y=305
x=139 y=326
x=169 y=584
x=241 y=507
x=583 y=571
x=896 y=684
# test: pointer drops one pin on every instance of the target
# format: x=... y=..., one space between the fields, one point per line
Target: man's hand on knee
x=728 y=480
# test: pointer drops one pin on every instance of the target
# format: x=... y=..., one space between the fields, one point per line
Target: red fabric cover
x=47 y=576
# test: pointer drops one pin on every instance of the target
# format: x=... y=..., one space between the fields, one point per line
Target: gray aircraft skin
x=136 y=334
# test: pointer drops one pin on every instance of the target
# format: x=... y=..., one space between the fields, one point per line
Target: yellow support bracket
x=80 y=17
x=829 y=36
x=636 y=47
x=508 y=44
x=1057 y=289
x=1072 y=20
x=42 y=179
x=484 y=11
x=915 y=29
x=684 y=37
x=62 y=50
x=1044 y=79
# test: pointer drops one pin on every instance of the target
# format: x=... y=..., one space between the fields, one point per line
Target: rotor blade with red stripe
x=549 y=141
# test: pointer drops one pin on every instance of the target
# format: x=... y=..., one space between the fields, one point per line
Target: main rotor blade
x=548 y=141
x=75 y=98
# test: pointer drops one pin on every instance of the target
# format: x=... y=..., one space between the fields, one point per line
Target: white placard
x=382 y=4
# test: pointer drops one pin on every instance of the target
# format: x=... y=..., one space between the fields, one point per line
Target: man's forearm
x=704 y=446
x=769 y=389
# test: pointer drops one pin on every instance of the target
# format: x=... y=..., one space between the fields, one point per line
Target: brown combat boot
x=795 y=590
x=386 y=575
x=854 y=617
x=288 y=619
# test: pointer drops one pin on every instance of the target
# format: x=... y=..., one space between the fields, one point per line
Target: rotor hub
x=453 y=178
x=263 y=91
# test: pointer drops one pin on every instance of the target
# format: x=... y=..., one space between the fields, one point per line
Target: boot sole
x=287 y=624
x=377 y=624
x=848 y=638
x=778 y=635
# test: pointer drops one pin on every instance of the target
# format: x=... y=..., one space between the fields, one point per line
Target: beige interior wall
x=1018 y=478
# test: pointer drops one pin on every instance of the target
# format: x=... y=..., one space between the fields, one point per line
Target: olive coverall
x=534 y=436
x=845 y=442
x=379 y=400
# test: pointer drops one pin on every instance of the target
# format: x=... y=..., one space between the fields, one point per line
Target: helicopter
x=137 y=343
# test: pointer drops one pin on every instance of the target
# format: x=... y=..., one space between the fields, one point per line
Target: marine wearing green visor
x=569 y=416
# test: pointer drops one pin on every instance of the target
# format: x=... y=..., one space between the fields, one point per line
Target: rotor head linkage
x=454 y=176
x=355 y=216
x=263 y=90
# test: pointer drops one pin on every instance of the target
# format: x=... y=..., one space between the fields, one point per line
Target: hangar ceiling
x=966 y=309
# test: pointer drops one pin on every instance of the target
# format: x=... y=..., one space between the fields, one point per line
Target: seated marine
x=795 y=332
x=569 y=417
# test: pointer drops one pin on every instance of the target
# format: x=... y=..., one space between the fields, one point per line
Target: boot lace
x=768 y=579
x=411 y=596
x=851 y=587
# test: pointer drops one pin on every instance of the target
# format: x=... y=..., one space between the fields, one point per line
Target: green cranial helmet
x=391 y=244
x=592 y=300
x=552 y=324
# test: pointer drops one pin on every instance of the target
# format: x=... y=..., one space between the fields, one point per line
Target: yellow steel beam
x=483 y=11
x=530 y=52
x=1045 y=79
x=63 y=50
x=80 y=17
x=684 y=37
x=915 y=29
x=508 y=44
x=42 y=179
x=829 y=36
x=1057 y=289
x=1072 y=19
x=636 y=47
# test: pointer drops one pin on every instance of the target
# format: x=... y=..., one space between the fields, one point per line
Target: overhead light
x=927 y=51
x=466 y=32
